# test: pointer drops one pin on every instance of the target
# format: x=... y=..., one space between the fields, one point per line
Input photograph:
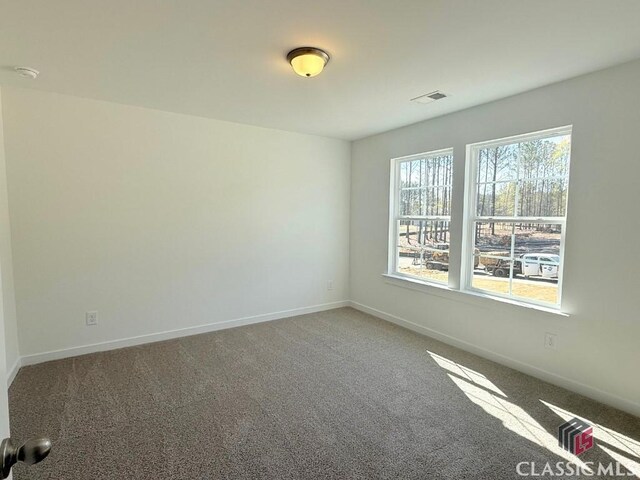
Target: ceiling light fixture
x=27 y=72
x=307 y=61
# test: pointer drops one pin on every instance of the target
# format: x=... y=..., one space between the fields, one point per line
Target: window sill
x=462 y=295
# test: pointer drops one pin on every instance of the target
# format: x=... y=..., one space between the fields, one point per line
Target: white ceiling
x=225 y=59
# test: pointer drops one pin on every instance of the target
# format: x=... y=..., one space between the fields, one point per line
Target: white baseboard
x=553 y=378
x=13 y=371
x=550 y=377
x=168 y=335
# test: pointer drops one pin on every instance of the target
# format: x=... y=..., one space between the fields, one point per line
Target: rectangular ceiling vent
x=430 y=97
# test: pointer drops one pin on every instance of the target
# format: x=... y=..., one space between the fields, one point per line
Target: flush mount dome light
x=307 y=61
x=27 y=72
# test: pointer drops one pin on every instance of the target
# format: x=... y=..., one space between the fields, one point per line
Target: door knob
x=30 y=452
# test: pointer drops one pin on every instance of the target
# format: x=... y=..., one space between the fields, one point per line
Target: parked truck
x=438 y=259
x=500 y=267
x=529 y=264
x=540 y=264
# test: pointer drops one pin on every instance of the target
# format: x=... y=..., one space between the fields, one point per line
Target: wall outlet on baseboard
x=551 y=341
x=91 y=318
x=330 y=285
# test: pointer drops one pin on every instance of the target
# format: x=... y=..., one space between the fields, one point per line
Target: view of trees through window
x=520 y=202
x=517 y=205
x=424 y=209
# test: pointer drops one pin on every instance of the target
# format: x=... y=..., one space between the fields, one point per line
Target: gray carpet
x=337 y=394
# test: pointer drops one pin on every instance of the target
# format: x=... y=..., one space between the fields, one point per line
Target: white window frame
x=395 y=217
x=470 y=216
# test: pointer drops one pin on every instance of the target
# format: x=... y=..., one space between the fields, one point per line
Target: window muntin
x=421 y=214
x=517 y=216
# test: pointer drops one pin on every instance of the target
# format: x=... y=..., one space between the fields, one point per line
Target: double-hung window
x=421 y=215
x=513 y=220
x=516 y=216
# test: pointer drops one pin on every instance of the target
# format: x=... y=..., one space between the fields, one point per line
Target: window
x=420 y=215
x=517 y=191
x=513 y=222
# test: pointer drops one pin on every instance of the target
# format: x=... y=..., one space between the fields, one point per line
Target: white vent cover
x=430 y=97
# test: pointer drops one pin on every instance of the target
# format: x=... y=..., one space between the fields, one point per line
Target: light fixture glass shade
x=308 y=61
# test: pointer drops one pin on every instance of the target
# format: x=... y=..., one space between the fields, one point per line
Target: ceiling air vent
x=430 y=97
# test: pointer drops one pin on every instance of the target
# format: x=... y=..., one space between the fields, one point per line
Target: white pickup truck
x=540 y=265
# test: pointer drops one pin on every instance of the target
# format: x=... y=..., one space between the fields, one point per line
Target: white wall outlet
x=330 y=285
x=91 y=318
x=551 y=341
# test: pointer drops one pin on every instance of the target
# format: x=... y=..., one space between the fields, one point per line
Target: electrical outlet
x=91 y=318
x=330 y=285
x=551 y=341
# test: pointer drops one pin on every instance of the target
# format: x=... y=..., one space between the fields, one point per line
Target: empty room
x=349 y=239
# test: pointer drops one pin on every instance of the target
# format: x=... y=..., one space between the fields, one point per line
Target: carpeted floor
x=337 y=394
